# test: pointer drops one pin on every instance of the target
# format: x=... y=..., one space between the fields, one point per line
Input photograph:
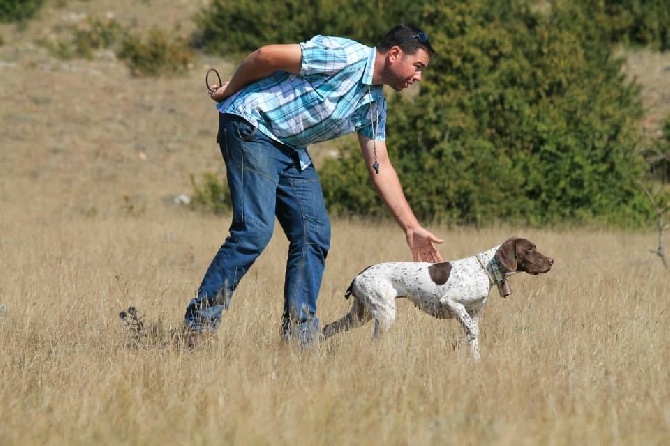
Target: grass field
x=89 y=160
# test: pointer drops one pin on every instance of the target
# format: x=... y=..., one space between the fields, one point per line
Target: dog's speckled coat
x=445 y=290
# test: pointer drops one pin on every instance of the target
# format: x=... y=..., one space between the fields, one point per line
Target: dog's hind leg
x=356 y=317
x=384 y=314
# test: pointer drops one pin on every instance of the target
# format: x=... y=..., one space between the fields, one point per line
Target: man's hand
x=217 y=93
x=259 y=65
x=420 y=241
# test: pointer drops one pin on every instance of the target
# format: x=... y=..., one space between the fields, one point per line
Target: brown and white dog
x=459 y=288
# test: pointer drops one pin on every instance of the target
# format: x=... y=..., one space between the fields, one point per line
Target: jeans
x=265 y=182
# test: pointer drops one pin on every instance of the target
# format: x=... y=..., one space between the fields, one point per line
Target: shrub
x=212 y=195
x=226 y=28
x=521 y=117
x=639 y=22
x=657 y=154
x=158 y=54
x=524 y=114
x=84 y=39
x=19 y=10
x=97 y=34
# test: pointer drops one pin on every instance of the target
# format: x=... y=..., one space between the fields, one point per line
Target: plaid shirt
x=332 y=96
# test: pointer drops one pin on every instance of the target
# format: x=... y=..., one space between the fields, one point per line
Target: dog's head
x=521 y=255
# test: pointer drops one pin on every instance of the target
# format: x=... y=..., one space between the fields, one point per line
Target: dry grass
x=578 y=356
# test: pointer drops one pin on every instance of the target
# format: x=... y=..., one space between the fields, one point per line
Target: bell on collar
x=504 y=289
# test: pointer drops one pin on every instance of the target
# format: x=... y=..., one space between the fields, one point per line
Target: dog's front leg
x=474 y=342
x=470 y=326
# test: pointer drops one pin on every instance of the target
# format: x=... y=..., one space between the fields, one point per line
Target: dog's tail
x=350 y=290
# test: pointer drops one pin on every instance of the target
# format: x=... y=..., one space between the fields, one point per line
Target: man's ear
x=394 y=53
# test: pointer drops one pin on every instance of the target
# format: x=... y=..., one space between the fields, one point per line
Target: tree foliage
x=657 y=154
x=636 y=22
x=19 y=10
x=232 y=28
x=523 y=116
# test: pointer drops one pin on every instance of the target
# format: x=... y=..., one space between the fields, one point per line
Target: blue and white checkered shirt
x=333 y=95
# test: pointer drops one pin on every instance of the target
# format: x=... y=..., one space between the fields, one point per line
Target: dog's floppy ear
x=506 y=254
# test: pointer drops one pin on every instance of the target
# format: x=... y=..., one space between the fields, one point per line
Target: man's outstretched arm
x=386 y=182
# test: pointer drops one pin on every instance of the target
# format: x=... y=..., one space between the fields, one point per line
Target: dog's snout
x=551 y=261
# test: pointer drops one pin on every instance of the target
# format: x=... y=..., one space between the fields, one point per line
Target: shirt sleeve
x=324 y=55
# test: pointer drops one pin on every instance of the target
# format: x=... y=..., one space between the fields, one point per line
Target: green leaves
x=517 y=120
x=235 y=28
x=19 y=10
x=523 y=115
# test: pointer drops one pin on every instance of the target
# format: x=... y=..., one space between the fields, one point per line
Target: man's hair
x=408 y=37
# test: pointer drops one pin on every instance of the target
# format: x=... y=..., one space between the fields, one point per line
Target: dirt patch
x=652 y=71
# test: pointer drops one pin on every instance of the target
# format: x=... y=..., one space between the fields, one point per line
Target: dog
x=457 y=289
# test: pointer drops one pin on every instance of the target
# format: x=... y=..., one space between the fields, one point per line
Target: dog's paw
x=329 y=330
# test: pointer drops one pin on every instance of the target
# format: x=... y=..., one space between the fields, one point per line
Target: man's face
x=405 y=69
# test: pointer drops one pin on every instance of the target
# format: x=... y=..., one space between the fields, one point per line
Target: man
x=279 y=100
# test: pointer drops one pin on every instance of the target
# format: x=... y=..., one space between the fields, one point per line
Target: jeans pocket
x=245 y=130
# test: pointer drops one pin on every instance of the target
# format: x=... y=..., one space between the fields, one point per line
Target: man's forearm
x=388 y=187
x=260 y=64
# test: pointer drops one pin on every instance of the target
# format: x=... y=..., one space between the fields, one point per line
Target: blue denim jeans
x=265 y=182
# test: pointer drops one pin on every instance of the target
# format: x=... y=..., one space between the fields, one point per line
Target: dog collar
x=496 y=276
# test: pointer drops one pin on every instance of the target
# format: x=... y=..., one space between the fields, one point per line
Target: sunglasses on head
x=422 y=38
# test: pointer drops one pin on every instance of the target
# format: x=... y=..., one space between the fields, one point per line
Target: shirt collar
x=369 y=67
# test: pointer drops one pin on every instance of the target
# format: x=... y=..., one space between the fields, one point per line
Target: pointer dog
x=457 y=289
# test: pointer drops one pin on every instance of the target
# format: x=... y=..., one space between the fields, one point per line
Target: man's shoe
x=202 y=319
x=306 y=334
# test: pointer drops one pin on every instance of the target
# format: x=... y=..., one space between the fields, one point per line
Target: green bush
x=212 y=195
x=657 y=154
x=19 y=10
x=233 y=28
x=638 y=22
x=155 y=54
x=97 y=34
x=226 y=27
x=158 y=54
x=520 y=118
x=84 y=39
x=523 y=116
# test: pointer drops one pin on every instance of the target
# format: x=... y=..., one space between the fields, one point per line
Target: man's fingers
x=426 y=256
x=438 y=256
x=421 y=244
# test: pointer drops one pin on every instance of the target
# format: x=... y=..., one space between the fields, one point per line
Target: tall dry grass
x=577 y=356
x=87 y=157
